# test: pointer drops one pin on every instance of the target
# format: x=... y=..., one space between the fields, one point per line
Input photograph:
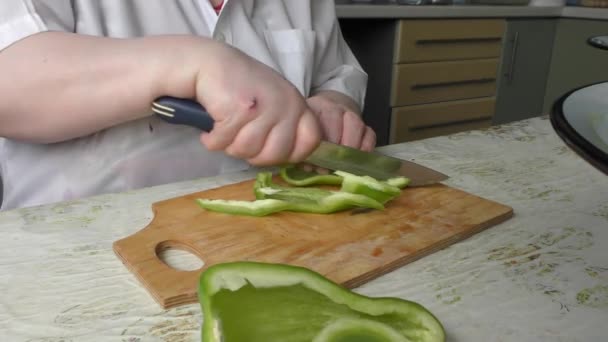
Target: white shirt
x=300 y=39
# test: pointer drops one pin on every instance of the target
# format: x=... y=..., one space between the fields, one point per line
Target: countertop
x=468 y=11
x=540 y=276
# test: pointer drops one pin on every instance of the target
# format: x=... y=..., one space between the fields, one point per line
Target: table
x=541 y=276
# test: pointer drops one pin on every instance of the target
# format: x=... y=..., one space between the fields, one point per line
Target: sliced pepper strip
x=251 y=301
x=399 y=182
x=368 y=186
x=249 y=208
x=264 y=180
x=327 y=205
x=334 y=202
x=298 y=177
x=311 y=200
x=273 y=198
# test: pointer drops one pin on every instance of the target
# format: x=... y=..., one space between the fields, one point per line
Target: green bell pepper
x=370 y=187
x=260 y=302
x=311 y=200
x=298 y=177
x=273 y=198
x=399 y=182
x=248 y=208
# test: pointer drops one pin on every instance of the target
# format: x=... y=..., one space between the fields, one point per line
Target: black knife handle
x=183 y=112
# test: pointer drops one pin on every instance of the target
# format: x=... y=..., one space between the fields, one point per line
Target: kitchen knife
x=327 y=155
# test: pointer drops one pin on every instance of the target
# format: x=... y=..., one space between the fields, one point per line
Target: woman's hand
x=259 y=116
x=340 y=120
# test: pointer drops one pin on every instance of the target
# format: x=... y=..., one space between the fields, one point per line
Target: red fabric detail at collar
x=218 y=8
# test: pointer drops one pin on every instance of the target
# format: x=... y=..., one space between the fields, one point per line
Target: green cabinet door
x=524 y=69
x=576 y=63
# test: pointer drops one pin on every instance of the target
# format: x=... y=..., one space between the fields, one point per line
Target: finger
x=312 y=168
x=278 y=145
x=224 y=132
x=250 y=140
x=369 y=139
x=230 y=117
x=354 y=129
x=306 y=167
x=307 y=137
x=331 y=123
x=322 y=171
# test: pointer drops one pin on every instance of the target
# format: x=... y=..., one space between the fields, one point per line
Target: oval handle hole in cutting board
x=179 y=256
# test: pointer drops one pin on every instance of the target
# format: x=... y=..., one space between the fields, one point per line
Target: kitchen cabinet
x=524 y=69
x=441 y=118
x=575 y=63
x=443 y=81
x=427 y=77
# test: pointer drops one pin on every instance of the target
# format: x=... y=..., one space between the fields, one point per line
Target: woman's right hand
x=259 y=115
x=84 y=84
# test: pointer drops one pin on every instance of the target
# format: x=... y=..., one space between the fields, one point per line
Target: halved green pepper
x=260 y=302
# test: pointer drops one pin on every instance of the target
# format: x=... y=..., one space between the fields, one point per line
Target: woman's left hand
x=340 y=120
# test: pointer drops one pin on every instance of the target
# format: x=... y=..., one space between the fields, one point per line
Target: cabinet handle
x=457 y=40
x=452 y=83
x=510 y=73
x=600 y=42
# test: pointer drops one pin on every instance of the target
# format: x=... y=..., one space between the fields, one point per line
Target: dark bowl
x=580 y=118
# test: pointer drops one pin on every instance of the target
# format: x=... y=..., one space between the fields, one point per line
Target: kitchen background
x=443 y=66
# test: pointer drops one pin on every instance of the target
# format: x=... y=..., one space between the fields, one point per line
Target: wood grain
x=350 y=248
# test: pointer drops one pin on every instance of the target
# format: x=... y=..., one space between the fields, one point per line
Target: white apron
x=298 y=38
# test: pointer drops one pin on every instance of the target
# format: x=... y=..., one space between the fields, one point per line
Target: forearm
x=58 y=86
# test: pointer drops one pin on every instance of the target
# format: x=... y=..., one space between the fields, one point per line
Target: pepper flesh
x=400 y=182
x=250 y=301
x=249 y=208
x=311 y=200
x=265 y=188
x=368 y=186
x=298 y=177
x=273 y=198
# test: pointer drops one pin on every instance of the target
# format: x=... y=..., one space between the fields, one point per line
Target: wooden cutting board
x=350 y=248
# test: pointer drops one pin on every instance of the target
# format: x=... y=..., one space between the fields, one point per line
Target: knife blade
x=327 y=155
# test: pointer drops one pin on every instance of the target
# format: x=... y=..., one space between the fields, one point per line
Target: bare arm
x=63 y=85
